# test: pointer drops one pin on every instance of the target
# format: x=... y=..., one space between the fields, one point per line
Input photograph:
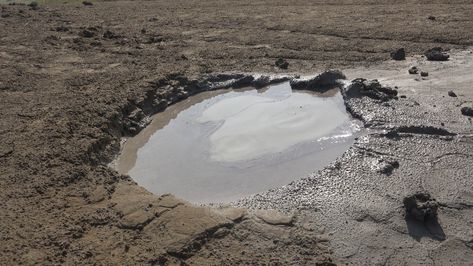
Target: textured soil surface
x=74 y=79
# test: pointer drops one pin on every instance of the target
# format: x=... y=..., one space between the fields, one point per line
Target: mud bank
x=420 y=141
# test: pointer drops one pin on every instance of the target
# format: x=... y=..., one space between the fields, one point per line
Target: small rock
x=431 y=18
x=399 y=54
x=87 y=3
x=436 y=54
x=452 y=94
x=421 y=206
x=413 y=70
x=424 y=73
x=468 y=111
x=281 y=63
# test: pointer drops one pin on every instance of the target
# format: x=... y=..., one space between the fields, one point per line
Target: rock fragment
x=424 y=74
x=436 y=54
x=452 y=94
x=282 y=63
x=399 y=54
x=87 y=3
x=431 y=18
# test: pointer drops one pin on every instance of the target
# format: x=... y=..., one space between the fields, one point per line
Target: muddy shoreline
x=73 y=75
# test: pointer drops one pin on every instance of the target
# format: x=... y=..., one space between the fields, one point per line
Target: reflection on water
x=222 y=145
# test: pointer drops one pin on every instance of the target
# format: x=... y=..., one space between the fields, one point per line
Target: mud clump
x=413 y=70
x=87 y=33
x=281 y=63
x=468 y=111
x=371 y=88
x=322 y=82
x=399 y=54
x=421 y=207
x=110 y=35
x=387 y=167
x=436 y=54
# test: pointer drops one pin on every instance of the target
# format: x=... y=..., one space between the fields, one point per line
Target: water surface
x=223 y=145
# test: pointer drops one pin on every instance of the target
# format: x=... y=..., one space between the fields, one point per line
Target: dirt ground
x=72 y=76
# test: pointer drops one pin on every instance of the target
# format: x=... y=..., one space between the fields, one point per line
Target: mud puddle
x=223 y=145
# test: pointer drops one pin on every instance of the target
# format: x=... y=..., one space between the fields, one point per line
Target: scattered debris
x=452 y=94
x=324 y=81
x=399 y=54
x=468 y=111
x=424 y=73
x=421 y=206
x=372 y=88
x=436 y=54
x=281 y=63
x=413 y=70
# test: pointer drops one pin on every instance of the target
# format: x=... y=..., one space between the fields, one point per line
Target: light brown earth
x=66 y=100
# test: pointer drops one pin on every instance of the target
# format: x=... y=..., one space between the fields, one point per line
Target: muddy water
x=222 y=145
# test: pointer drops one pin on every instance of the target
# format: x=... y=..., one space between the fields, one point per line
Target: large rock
x=371 y=88
x=321 y=82
x=436 y=54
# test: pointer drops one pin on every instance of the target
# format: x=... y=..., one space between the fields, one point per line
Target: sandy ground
x=72 y=76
